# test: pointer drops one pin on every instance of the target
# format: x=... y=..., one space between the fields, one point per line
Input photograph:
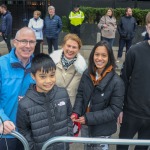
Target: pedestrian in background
x=76 y=18
x=107 y=26
x=52 y=28
x=14 y=81
x=126 y=29
x=36 y=24
x=6 y=25
x=136 y=110
x=45 y=110
x=100 y=96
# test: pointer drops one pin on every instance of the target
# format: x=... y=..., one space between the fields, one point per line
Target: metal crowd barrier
x=21 y=138
x=95 y=141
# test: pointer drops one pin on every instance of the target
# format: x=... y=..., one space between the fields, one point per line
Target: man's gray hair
x=51 y=7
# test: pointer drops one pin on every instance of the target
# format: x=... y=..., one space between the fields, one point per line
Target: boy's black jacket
x=43 y=116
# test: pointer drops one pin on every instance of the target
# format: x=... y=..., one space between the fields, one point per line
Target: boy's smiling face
x=44 y=81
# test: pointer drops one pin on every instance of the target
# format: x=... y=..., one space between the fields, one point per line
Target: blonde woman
x=36 y=24
x=108 y=26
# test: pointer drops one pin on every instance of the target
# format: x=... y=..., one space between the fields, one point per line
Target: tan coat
x=63 y=77
x=110 y=31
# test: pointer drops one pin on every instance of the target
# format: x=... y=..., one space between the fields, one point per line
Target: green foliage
x=93 y=15
x=66 y=24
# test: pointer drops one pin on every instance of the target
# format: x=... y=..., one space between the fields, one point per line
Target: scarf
x=96 y=80
x=67 y=62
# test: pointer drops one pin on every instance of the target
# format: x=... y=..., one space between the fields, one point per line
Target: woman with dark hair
x=100 y=96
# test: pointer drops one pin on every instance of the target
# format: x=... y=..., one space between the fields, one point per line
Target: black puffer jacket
x=43 y=116
x=106 y=101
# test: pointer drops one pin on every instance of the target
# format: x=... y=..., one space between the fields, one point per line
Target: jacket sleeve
x=127 y=69
x=23 y=125
x=112 y=111
x=82 y=16
x=70 y=123
x=2 y=113
x=8 y=24
x=59 y=25
x=79 y=98
x=120 y=26
x=101 y=22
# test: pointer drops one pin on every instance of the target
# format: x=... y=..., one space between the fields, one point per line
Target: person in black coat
x=45 y=110
x=100 y=95
x=135 y=118
x=126 y=29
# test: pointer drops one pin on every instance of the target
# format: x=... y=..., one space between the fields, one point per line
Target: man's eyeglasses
x=25 y=42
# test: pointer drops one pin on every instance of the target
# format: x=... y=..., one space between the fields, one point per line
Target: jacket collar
x=16 y=63
x=56 y=56
x=40 y=98
x=104 y=82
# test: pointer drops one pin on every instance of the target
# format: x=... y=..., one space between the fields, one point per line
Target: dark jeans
x=7 y=39
x=132 y=125
x=37 y=47
x=122 y=43
x=52 y=42
x=75 y=30
x=110 y=41
x=11 y=144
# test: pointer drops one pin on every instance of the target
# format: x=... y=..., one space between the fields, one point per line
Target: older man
x=52 y=28
x=14 y=81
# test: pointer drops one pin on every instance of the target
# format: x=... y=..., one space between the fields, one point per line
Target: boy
x=45 y=110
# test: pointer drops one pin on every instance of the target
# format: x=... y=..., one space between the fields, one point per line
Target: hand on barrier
x=8 y=127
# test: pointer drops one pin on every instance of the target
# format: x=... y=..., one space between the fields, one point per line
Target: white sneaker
x=118 y=60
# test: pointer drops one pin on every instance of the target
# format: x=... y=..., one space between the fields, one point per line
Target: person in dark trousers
x=45 y=110
x=135 y=117
x=100 y=96
x=76 y=18
x=15 y=79
x=6 y=25
x=126 y=29
x=36 y=24
x=52 y=28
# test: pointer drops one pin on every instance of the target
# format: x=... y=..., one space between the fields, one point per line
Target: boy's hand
x=81 y=120
x=8 y=127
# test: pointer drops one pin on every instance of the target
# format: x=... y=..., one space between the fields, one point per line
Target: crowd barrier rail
x=66 y=139
x=95 y=141
x=21 y=138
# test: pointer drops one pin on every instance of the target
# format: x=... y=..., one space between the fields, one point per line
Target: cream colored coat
x=110 y=31
x=63 y=76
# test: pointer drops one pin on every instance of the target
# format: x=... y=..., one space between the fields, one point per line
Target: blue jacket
x=6 y=25
x=52 y=26
x=14 y=82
